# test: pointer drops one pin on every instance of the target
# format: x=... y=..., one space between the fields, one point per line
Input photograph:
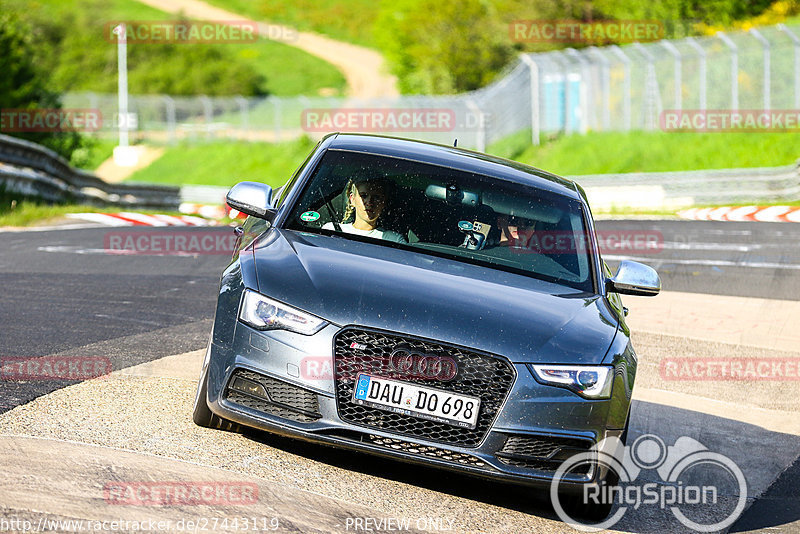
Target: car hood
x=350 y=282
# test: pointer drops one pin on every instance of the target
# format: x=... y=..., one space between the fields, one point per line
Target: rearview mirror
x=252 y=198
x=634 y=278
x=453 y=195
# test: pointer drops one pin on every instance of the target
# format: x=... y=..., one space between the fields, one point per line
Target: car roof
x=457 y=158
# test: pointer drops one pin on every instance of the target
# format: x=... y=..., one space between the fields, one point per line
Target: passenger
x=367 y=200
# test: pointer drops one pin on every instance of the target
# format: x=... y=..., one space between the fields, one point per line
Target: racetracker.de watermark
x=563 y=242
x=727 y=369
x=54 y=367
x=730 y=120
x=173 y=493
x=403 y=363
x=50 y=120
x=576 y=31
x=182 y=31
x=385 y=120
x=169 y=242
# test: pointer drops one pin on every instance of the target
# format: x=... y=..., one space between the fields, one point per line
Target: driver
x=366 y=200
x=515 y=231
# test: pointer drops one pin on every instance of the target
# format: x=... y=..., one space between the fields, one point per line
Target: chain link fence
x=613 y=88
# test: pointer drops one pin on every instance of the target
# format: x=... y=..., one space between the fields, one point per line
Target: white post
x=606 y=85
x=650 y=87
x=208 y=114
x=796 y=42
x=564 y=62
x=626 y=96
x=767 y=53
x=123 y=155
x=277 y=117
x=170 y=108
x=701 y=54
x=244 y=112
x=734 y=69
x=678 y=68
x=535 y=119
x=584 y=89
x=480 y=140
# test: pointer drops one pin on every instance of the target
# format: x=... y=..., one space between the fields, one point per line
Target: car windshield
x=447 y=212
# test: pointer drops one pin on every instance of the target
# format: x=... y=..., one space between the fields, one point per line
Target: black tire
x=574 y=506
x=624 y=436
x=202 y=414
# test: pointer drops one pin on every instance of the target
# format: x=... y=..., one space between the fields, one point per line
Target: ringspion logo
x=692 y=483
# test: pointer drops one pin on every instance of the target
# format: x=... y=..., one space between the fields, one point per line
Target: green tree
x=80 y=54
x=442 y=47
x=23 y=85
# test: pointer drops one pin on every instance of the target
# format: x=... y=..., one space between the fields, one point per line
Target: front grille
x=285 y=400
x=428 y=451
x=543 y=453
x=480 y=375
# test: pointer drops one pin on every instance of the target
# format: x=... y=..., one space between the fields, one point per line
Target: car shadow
x=762 y=456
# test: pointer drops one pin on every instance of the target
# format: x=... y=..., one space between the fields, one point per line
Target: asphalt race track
x=731 y=290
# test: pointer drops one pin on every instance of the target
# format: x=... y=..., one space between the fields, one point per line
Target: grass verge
x=226 y=163
x=620 y=152
x=30 y=213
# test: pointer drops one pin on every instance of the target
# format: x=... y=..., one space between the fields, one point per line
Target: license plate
x=417 y=401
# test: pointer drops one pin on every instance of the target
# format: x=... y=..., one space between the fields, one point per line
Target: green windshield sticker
x=310 y=216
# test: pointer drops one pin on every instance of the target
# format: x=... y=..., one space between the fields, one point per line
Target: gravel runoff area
x=146 y=409
x=152 y=415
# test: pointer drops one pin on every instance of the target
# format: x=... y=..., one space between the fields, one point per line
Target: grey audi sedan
x=424 y=303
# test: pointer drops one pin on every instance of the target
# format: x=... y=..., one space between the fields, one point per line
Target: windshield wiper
x=332 y=212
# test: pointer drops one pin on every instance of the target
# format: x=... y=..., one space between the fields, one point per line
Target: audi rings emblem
x=412 y=364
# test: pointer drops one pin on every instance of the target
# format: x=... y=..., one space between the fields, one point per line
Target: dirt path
x=113 y=173
x=363 y=68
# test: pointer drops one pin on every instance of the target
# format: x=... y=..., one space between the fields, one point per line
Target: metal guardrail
x=687 y=188
x=204 y=194
x=33 y=170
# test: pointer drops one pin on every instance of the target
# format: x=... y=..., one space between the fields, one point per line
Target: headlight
x=592 y=382
x=263 y=313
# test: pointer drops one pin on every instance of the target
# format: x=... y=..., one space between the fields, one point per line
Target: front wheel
x=575 y=506
x=202 y=414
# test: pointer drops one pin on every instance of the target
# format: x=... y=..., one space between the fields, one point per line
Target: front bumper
x=535 y=429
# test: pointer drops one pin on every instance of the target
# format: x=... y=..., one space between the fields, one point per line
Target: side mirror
x=634 y=278
x=253 y=199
